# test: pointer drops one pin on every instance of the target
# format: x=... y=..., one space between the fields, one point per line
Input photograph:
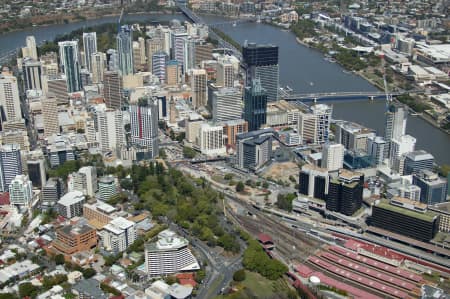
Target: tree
x=265 y=185
x=239 y=275
x=284 y=201
x=189 y=153
x=228 y=176
x=27 y=289
x=59 y=259
x=126 y=184
x=240 y=187
x=88 y=273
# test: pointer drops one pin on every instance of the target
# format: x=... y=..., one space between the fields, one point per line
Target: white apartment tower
x=21 y=191
x=333 y=156
x=110 y=128
x=10 y=165
x=9 y=97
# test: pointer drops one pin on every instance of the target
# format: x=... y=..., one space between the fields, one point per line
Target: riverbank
x=72 y=18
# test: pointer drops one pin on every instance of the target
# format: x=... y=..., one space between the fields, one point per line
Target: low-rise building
x=405 y=217
x=98 y=214
x=72 y=239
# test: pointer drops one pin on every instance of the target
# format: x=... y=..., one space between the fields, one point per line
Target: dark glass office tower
x=255 y=105
x=261 y=62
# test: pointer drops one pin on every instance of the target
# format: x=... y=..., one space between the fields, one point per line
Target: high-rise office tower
x=261 y=62
x=345 y=192
x=30 y=50
x=36 y=172
x=199 y=88
x=159 y=61
x=433 y=189
x=314 y=127
x=56 y=86
x=226 y=104
x=98 y=63
x=225 y=73
x=255 y=105
x=189 y=53
x=333 y=156
x=144 y=124
x=173 y=73
x=395 y=125
x=404 y=144
x=139 y=58
x=178 y=48
x=50 y=115
x=313 y=181
x=125 y=50
x=68 y=54
x=9 y=97
x=375 y=148
x=112 y=89
x=10 y=165
x=90 y=47
x=417 y=161
x=152 y=46
x=110 y=128
x=112 y=60
x=254 y=149
x=32 y=74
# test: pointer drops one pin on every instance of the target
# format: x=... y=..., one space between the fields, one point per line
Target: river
x=302 y=68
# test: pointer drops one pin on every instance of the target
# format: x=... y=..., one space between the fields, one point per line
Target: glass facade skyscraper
x=255 y=105
x=261 y=62
x=125 y=50
x=70 y=64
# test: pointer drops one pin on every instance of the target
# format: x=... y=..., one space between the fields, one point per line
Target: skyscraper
x=50 y=115
x=433 y=189
x=90 y=47
x=255 y=105
x=418 y=161
x=313 y=181
x=98 y=61
x=10 y=165
x=225 y=73
x=36 y=171
x=376 y=148
x=398 y=147
x=333 y=156
x=110 y=128
x=159 y=61
x=173 y=73
x=68 y=54
x=30 y=50
x=32 y=74
x=178 y=48
x=152 y=46
x=226 y=104
x=261 y=62
x=395 y=125
x=314 y=127
x=144 y=124
x=345 y=192
x=189 y=53
x=125 y=50
x=112 y=89
x=9 y=97
x=199 y=88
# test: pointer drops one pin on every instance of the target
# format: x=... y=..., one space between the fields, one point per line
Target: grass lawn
x=258 y=286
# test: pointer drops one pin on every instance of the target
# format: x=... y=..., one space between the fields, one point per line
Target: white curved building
x=169 y=255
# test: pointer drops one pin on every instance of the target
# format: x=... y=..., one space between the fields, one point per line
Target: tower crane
x=386 y=90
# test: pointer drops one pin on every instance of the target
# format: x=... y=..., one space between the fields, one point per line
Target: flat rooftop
x=427 y=216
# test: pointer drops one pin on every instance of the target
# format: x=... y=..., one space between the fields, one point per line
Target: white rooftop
x=71 y=198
